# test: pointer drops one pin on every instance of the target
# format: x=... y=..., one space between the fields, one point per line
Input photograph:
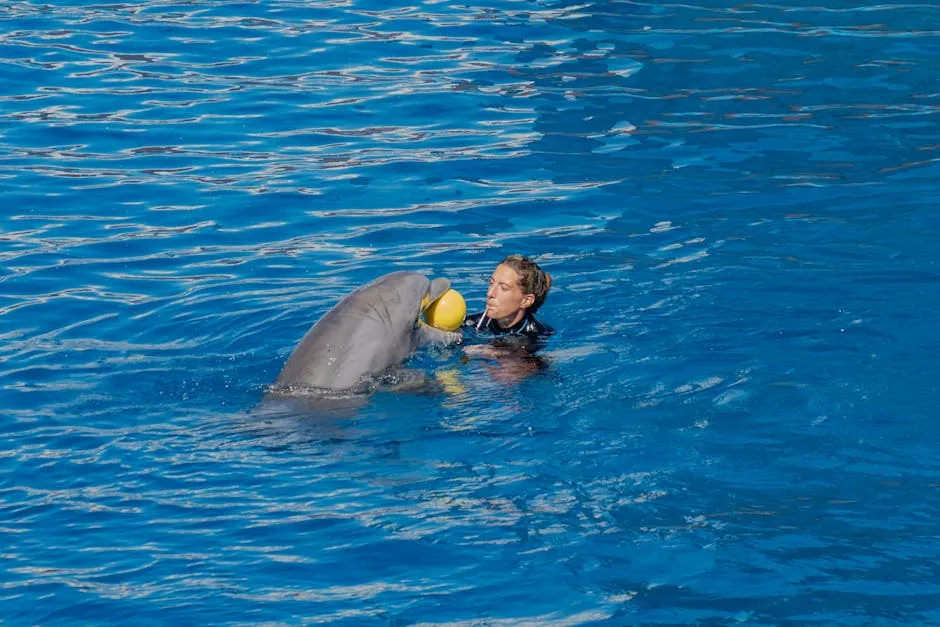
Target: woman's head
x=517 y=286
x=532 y=279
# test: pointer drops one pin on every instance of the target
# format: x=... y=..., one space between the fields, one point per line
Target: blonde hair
x=532 y=279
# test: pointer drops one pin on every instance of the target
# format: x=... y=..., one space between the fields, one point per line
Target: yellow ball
x=447 y=312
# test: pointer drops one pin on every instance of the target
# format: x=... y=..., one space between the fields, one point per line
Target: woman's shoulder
x=534 y=326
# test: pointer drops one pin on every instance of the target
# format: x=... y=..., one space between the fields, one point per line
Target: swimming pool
x=739 y=209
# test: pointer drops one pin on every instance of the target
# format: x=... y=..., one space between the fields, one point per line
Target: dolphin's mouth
x=438 y=288
x=425 y=303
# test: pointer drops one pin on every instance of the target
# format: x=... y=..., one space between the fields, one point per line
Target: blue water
x=738 y=204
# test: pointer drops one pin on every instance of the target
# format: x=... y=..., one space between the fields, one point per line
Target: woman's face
x=504 y=298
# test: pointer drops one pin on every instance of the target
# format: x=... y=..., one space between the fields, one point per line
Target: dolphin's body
x=371 y=330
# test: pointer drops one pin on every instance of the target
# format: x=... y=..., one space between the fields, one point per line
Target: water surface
x=737 y=204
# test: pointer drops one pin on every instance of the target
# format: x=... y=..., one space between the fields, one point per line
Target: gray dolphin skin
x=371 y=330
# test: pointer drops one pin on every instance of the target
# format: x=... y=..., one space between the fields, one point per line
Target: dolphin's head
x=413 y=292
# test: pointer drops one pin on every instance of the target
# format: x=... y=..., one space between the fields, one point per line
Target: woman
x=518 y=288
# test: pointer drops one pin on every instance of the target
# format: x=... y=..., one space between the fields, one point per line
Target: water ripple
x=734 y=202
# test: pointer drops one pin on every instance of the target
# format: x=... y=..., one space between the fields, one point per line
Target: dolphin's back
x=365 y=333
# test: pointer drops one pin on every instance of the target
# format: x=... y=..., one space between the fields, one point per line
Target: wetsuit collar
x=485 y=321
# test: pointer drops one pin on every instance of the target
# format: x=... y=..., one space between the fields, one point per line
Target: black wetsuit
x=529 y=333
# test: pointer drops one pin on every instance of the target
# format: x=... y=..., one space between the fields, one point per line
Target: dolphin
x=367 y=333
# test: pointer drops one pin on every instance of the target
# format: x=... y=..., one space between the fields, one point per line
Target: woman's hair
x=532 y=279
